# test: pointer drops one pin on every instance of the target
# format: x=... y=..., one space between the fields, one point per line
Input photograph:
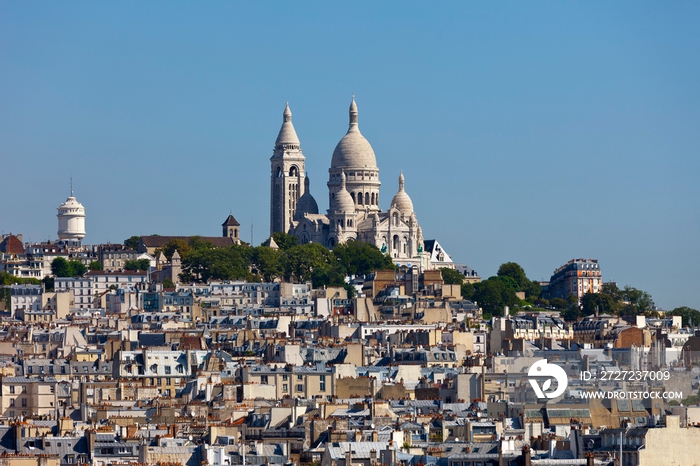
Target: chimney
x=358 y=436
x=18 y=437
x=527 y=460
x=590 y=460
x=375 y=436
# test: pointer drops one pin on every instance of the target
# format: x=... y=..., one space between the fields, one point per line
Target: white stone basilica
x=354 y=211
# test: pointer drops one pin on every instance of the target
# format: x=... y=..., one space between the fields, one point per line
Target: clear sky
x=533 y=132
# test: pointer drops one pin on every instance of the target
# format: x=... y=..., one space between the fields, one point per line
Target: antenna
x=71 y=186
x=251 y=231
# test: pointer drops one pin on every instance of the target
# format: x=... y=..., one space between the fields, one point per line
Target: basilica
x=354 y=211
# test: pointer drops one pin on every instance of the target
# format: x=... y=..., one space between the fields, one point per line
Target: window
x=300 y=388
x=12 y=402
x=168 y=370
x=263 y=379
x=299 y=377
x=285 y=388
x=322 y=380
x=285 y=377
x=12 y=389
x=24 y=402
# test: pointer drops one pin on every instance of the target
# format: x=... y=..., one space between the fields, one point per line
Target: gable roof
x=230 y=221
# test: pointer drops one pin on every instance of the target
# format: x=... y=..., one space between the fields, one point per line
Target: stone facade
x=354 y=212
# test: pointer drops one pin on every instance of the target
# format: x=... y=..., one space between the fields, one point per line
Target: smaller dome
x=343 y=201
x=401 y=200
x=306 y=203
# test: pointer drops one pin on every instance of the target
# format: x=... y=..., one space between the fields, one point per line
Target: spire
x=71 y=186
x=287 y=134
x=353 y=114
x=306 y=183
x=401 y=181
x=342 y=179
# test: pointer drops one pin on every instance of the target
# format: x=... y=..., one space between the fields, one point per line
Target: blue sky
x=527 y=132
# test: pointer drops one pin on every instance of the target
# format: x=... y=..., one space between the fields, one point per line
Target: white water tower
x=71 y=220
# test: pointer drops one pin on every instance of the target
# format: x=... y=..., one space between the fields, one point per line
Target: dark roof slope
x=230 y=221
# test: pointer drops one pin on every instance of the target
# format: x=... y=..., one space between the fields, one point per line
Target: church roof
x=306 y=204
x=401 y=200
x=230 y=221
x=287 y=134
x=353 y=150
x=343 y=201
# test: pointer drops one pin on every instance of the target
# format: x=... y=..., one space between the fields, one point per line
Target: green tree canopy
x=451 y=276
x=61 y=267
x=137 y=264
x=603 y=302
x=206 y=263
x=300 y=261
x=182 y=246
x=267 y=262
x=95 y=265
x=360 y=258
x=531 y=288
x=514 y=271
x=132 y=242
x=495 y=293
x=691 y=317
x=284 y=240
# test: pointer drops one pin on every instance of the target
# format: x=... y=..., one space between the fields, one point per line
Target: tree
x=691 y=317
x=514 y=271
x=494 y=294
x=137 y=264
x=132 y=242
x=558 y=303
x=467 y=290
x=451 y=276
x=60 y=267
x=359 y=258
x=603 y=302
x=205 y=264
x=300 y=261
x=49 y=283
x=168 y=283
x=267 y=262
x=640 y=302
x=95 y=265
x=284 y=240
x=182 y=246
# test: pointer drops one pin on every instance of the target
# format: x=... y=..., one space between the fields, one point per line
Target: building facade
x=354 y=211
x=577 y=277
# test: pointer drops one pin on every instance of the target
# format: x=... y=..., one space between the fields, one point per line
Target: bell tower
x=286 y=176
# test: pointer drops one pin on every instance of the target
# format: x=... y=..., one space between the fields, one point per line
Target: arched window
x=373 y=203
x=359 y=198
x=279 y=172
x=396 y=219
x=395 y=243
x=293 y=171
x=349 y=223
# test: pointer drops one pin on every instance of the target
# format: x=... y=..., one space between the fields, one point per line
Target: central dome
x=353 y=151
